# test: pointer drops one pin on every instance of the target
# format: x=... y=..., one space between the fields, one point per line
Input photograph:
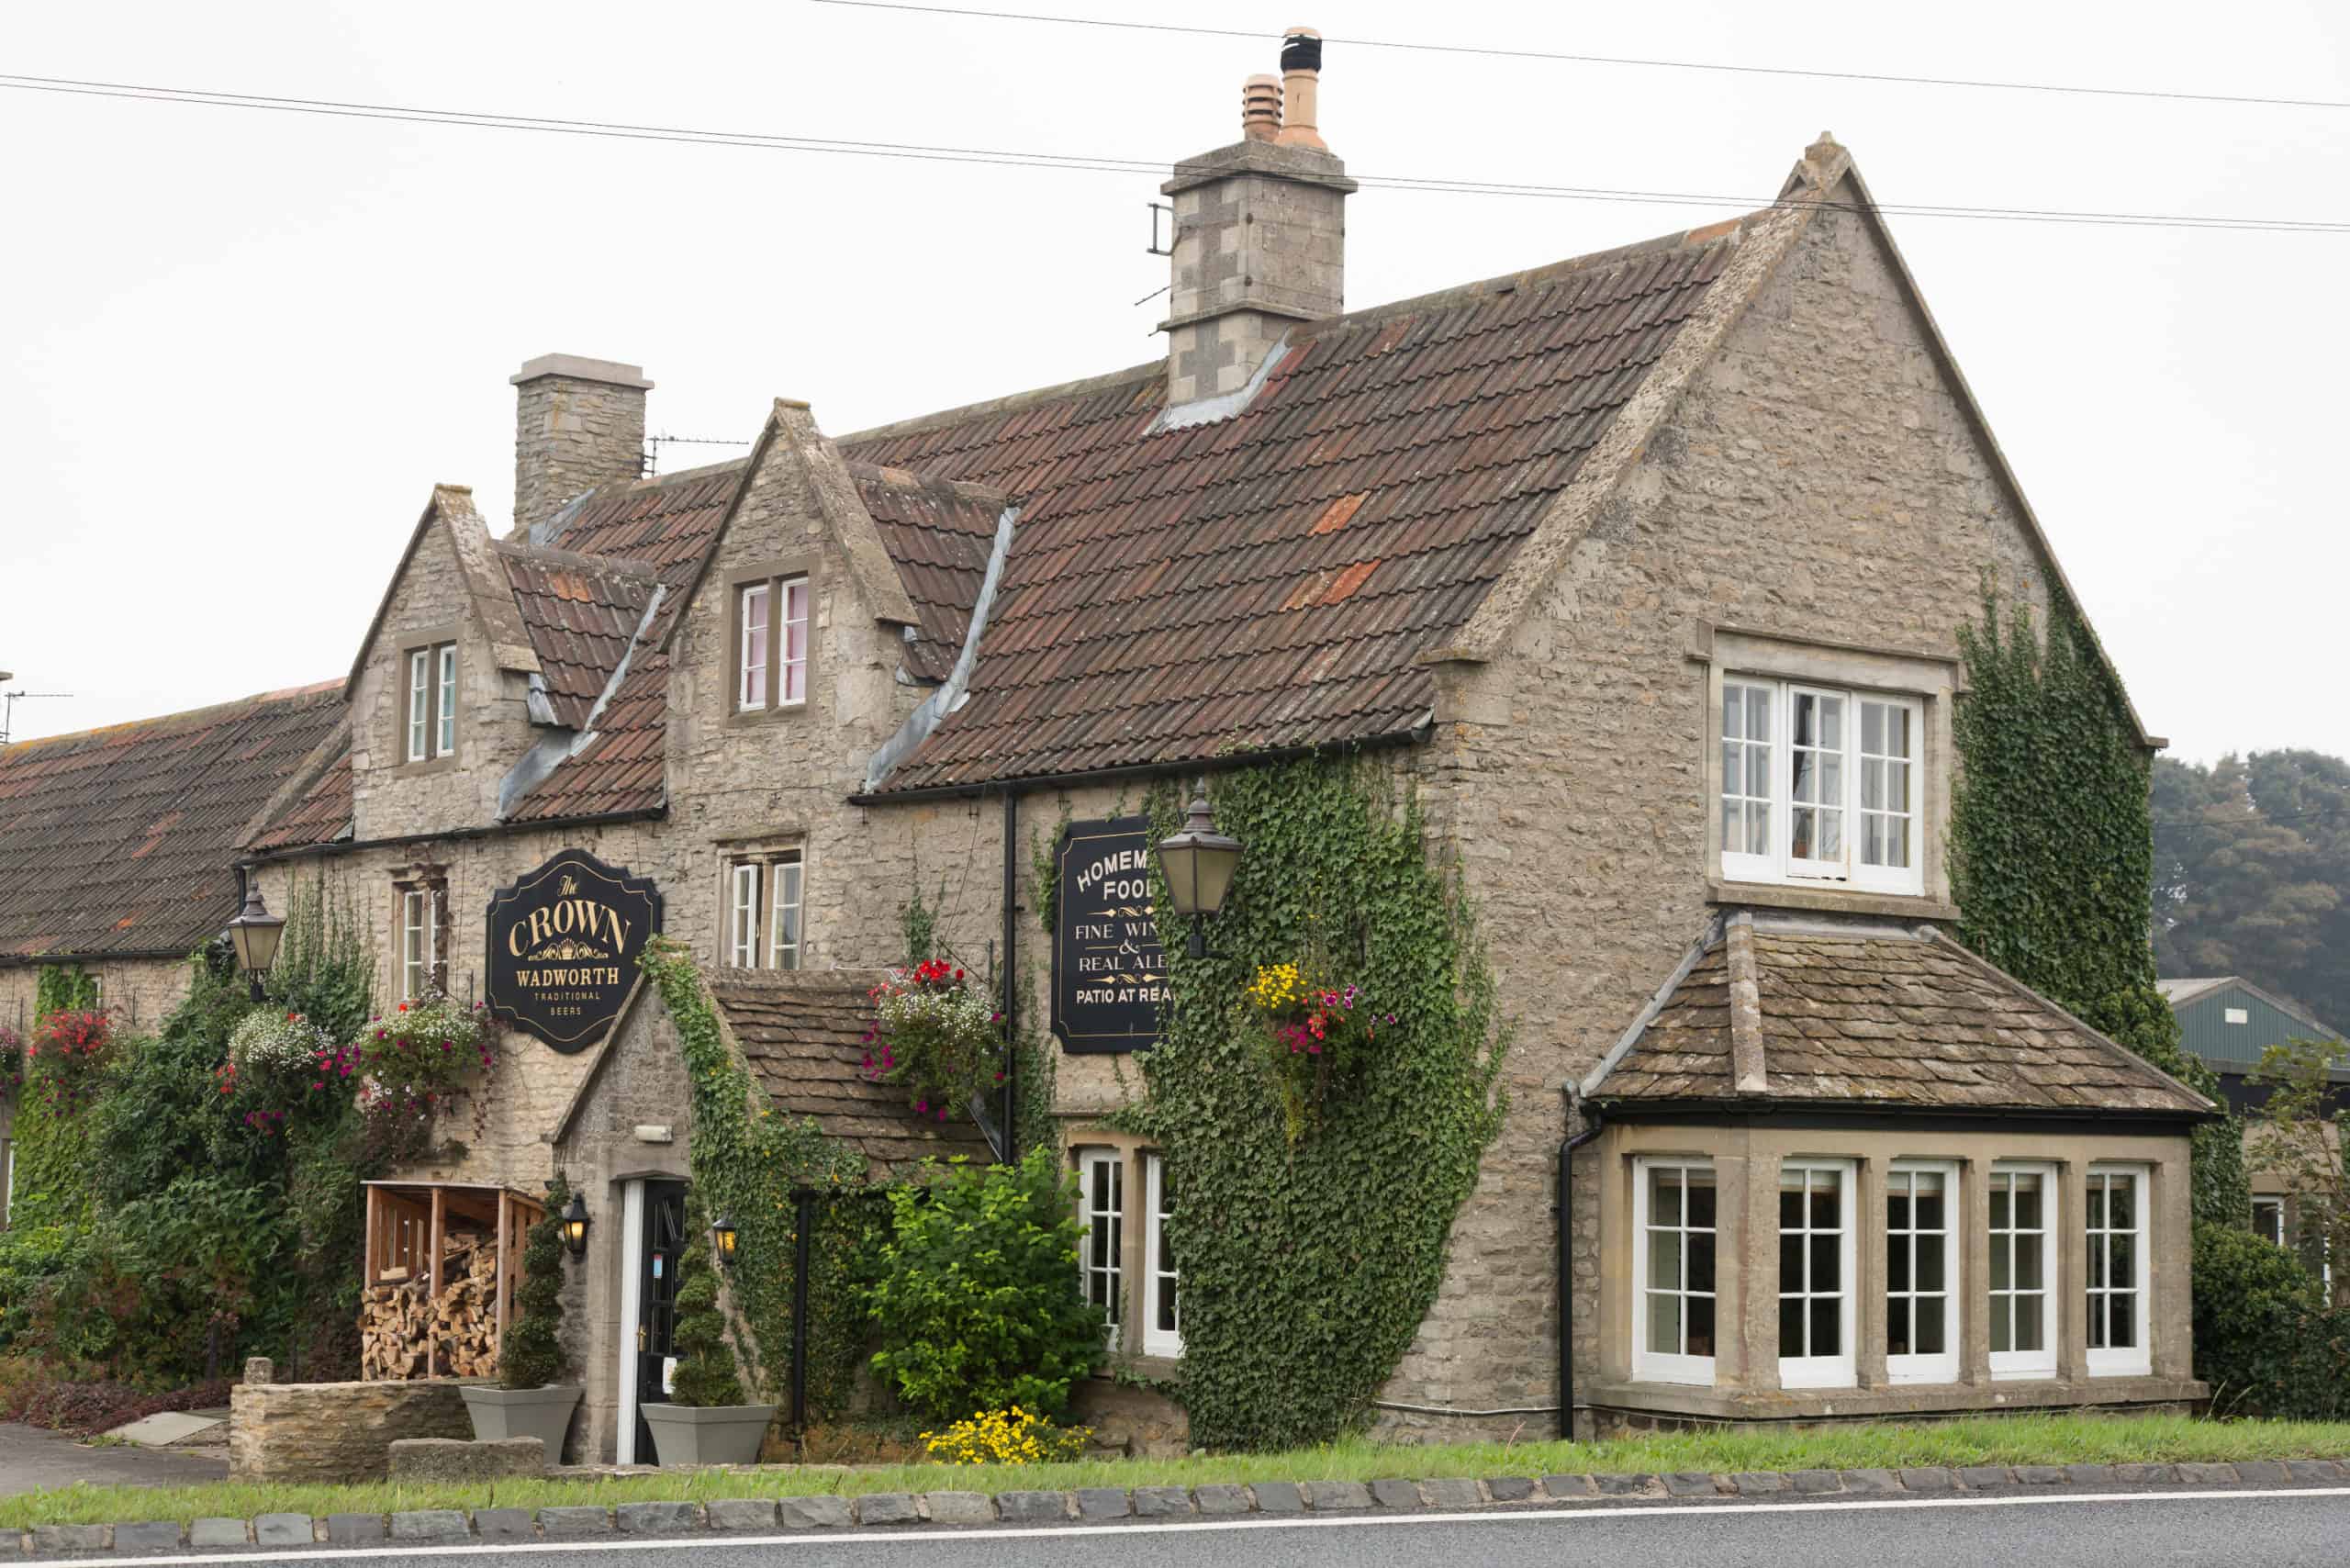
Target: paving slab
x=164 y=1428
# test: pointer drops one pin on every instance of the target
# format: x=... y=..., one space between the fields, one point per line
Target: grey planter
x=540 y=1413
x=708 y=1434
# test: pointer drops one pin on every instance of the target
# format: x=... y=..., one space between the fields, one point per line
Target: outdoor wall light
x=255 y=932
x=575 y=1226
x=725 y=1237
x=1198 y=863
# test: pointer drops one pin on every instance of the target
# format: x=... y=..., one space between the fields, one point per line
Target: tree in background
x=2241 y=885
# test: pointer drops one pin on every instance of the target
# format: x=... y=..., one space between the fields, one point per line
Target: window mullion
x=774 y=643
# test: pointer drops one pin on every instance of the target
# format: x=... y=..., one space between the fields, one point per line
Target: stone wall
x=137 y=991
x=333 y=1431
x=578 y=423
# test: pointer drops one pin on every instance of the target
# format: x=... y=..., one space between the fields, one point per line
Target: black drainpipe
x=1011 y=973
x=1566 y=1268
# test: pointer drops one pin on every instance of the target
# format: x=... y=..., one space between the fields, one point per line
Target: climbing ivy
x=1307 y=1267
x=63 y=988
x=746 y=1162
x=2051 y=851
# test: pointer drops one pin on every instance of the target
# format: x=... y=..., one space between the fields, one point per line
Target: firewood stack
x=398 y=1322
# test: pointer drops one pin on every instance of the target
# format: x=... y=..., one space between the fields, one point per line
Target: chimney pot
x=1301 y=90
x=1260 y=107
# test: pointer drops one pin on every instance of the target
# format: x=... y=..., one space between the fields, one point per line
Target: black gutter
x=489 y=830
x=1591 y=1125
x=104 y=955
x=1842 y=1114
x=1190 y=768
x=1010 y=975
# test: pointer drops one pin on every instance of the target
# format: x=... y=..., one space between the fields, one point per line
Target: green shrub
x=979 y=1305
x=2264 y=1338
x=531 y=1356
x=705 y=1374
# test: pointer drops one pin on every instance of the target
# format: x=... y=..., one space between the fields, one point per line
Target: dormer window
x=770 y=644
x=1820 y=786
x=432 y=702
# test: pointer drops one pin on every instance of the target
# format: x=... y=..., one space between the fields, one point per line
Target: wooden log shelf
x=444 y=1261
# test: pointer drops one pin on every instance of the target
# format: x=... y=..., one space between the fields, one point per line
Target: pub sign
x=1109 y=970
x=564 y=941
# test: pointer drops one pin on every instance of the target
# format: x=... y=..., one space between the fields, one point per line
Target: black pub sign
x=1109 y=970
x=564 y=941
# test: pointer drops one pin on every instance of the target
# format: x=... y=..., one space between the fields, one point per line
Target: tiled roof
x=1812 y=1014
x=939 y=535
x=620 y=770
x=664 y=523
x=805 y=1036
x=1270 y=579
x=580 y=613
x=320 y=814
x=121 y=840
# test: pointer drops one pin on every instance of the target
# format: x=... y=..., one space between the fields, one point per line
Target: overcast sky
x=243 y=345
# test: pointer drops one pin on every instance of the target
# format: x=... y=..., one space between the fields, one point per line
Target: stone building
x=1655 y=555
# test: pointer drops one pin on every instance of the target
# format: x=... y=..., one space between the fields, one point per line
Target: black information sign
x=1109 y=970
x=564 y=941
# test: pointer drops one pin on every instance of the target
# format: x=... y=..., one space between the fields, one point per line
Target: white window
x=2117 y=1283
x=1815 y=1275
x=1101 y=1209
x=1922 y=1318
x=795 y=640
x=742 y=915
x=783 y=920
x=7 y=1181
x=2237 y=1015
x=1672 y=1235
x=420 y=705
x=1820 y=786
x=419 y=943
x=751 y=678
x=2268 y=1219
x=448 y=703
x=2023 y=1268
x=1162 y=1318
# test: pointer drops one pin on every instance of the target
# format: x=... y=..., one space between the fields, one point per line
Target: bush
x=1006 y=1437
x=978 y=1303
x=531 y=1356
x=705 y=1374
x=2264 y=1338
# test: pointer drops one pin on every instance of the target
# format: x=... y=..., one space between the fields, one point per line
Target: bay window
x=1815 y=1275
x=2022 y=1304
x=771 y=643
x=2117 y=1267
x=1820 y=786
x=1673 y=1241
x=1162 y=1325
x=1921 y=1266
x=1101 y=1210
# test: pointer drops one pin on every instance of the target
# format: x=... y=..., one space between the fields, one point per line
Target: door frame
x=631 y=1310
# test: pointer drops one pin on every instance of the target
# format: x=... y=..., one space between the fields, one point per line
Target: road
x=31 y=1457
x=2239 y=1529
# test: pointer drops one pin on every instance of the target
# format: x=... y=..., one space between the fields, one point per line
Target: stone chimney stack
x=578 y=423
x=1259 y=234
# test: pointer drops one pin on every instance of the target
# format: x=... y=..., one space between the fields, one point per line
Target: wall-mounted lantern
x=724 y=1238
x=255 y=934
x=575 y=1226
x=1199 y=863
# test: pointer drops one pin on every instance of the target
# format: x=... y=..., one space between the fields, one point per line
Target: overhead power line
x=481 y=120
x=1497 y=52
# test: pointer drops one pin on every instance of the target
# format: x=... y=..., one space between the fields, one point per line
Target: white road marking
x=884 y=1535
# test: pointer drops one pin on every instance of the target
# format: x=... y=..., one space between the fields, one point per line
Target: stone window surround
x=1745 y=1160
x=431 y=880
x=423 y=640
x=763 y=850
x=1931 y=679
x=1134 y=1254
x=801 y=566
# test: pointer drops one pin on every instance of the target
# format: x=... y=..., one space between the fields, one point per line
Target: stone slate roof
x=940 y=536
x=803 y=1034
x=581 y=613
x=1806 y=1013
x=120 y=840
x=1271 y=579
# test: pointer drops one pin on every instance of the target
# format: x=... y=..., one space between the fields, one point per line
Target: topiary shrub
x=979 y=1305
x=705 y=1374
x=2264 y=1338
x=531 y=1356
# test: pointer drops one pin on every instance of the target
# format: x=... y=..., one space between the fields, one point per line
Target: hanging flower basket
x=281 y=1064
x=1320 y=1034
x=409 y=1062
x=935 y=1037
x=63 y=1059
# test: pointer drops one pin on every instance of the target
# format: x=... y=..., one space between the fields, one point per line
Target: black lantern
x=255 y=932
x=725 y=1237
x=1199 y=863
x=575 y=1226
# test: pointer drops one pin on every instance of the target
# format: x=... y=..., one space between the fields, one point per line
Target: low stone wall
x=1140 y=1423
x=333 y=1431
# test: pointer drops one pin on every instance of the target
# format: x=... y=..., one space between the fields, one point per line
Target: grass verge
x=2015 y=1439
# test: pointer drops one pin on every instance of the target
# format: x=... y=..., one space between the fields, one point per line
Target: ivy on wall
x=2052 y=851
x=52 y=1183
x=746 y=1162
x=1307 y=1267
